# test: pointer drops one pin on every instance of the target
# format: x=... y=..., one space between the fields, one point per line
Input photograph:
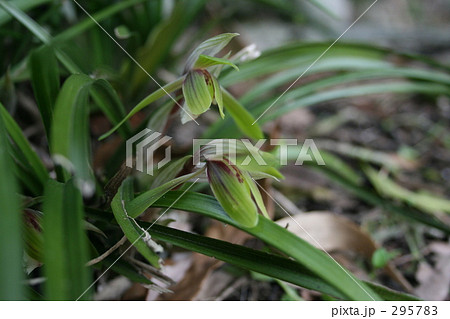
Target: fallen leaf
x=434 y=282
x=337 y=234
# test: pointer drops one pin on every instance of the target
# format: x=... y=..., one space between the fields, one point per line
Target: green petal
x=233 y=193
x=256 y=194
x=197 y=92
x=205 y=61
x=209 y=47
x=218 y=95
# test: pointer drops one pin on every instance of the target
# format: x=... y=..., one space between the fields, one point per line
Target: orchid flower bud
x=231 y=188
x=201 y=88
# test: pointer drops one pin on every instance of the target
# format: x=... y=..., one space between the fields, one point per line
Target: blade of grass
x=99 y=16
x=156 y=95
x=65 y=243
x=313 y=259
x=268 y=264
x=29 y=158
x=227 y=128
x=45 y=81
x=254 y=260
x=11 y=253
x=130 y=228
x=388 y=188
x=161 y=40
x=72 y=67
x=374 y=199
x=70 y=140
x=73 y=31
x=367 y=71
x=139 y=204
x=23 y=5
x=243 y=119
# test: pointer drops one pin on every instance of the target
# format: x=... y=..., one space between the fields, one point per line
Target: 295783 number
x=414 y=310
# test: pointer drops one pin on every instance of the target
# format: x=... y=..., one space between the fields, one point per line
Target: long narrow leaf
x=11 y=274
x=70 y=140
x=45 y=82
x=65 y=243
x=161 y=92
x=243 y=119
x=313 y=259
x=28 y=157
x=135 y=234
x=268 y=264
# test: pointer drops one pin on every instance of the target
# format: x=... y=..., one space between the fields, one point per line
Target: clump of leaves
x=57 y=205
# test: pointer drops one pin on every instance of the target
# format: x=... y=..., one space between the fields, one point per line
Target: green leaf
x=250 y=259
x=243 y=119
x=157 y=120
x=162 y=38
x=72 y=31
x=135 y=234
x=197 y=92
x=359 y=90
x=261 y=262
x=313 y=259
x=156 y=95
x=30 y=24
x=24 y=5
x=8 y=92
x=205 y=61
x=381 y=257
x=65 y=243
x=331 y=161
x=387 y=187
x=45 y=81
x=11 y=253
x=374 y=199
x=28 y=159
x=110 y=110
x=209 y=47
x=138 y=205
x=98 y=16
x=108 y=101
x=170 y=171
x=70 y=140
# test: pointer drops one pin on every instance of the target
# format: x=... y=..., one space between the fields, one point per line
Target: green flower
x=231 y=168
x=236 y=192
x=200 y=87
